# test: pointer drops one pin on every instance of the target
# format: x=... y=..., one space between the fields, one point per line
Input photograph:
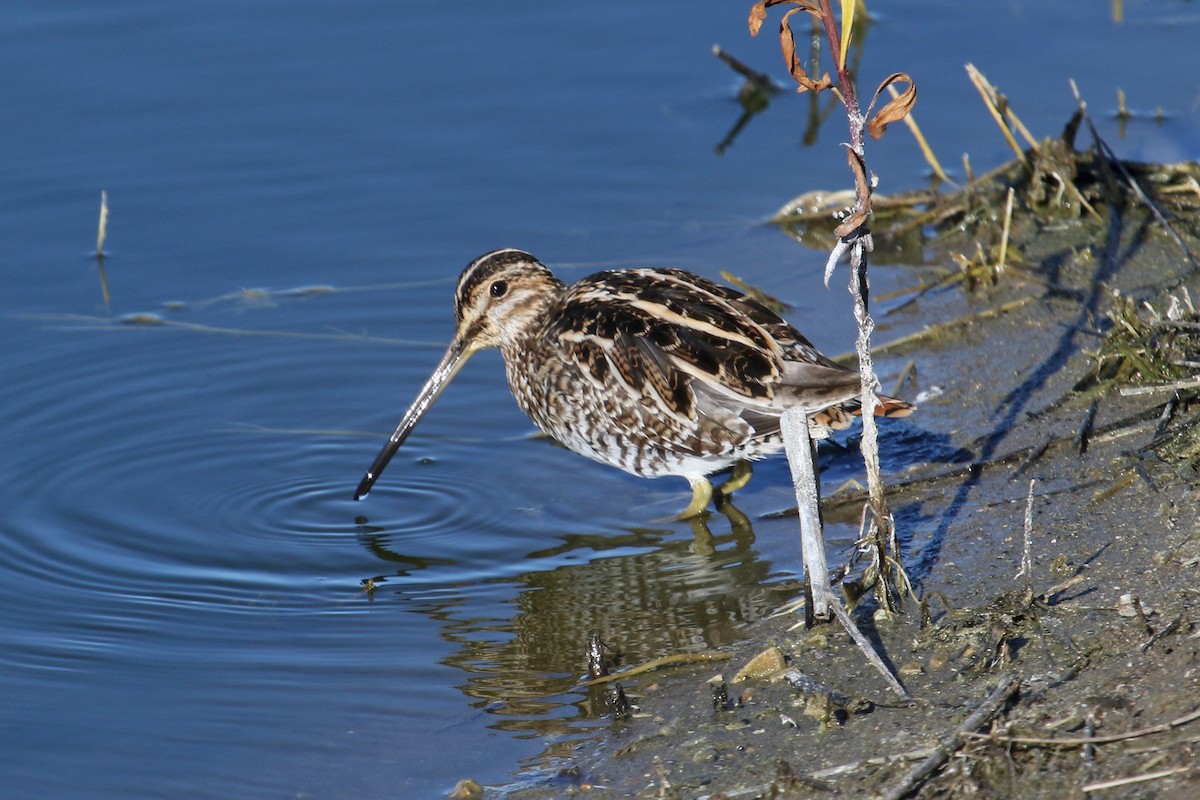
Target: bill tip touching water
x=364 y=486
x=654 y=371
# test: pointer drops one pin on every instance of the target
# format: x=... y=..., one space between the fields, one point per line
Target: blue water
x=293 y=189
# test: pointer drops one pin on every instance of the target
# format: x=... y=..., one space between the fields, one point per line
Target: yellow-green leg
x=702 y=492
x=739 y=523
x=741 y=475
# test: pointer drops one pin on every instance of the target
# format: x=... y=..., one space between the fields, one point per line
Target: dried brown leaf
x=758 y=14
x=852 y=223
x=862 y=206
x=896 y=109
x=787 y=41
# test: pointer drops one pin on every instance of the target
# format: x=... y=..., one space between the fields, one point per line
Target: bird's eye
x=499 y=288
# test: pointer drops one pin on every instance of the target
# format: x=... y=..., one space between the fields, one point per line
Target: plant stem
x=794 y=426
x=884 y=539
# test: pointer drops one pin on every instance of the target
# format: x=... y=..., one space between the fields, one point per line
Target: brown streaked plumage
x=654 y=371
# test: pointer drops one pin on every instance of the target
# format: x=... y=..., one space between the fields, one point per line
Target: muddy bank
x=1099 y=644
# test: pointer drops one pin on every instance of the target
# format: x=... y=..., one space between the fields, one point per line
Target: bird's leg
x=702 y=493
x=740 y=527
x=741 y=475
x=703 y=541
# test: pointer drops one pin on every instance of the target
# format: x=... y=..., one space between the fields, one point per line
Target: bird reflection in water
x=657 y=594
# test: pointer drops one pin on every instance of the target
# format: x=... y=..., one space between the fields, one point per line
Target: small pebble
x=764 y=665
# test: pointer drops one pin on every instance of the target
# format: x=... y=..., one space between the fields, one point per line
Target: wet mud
x=1085 y=470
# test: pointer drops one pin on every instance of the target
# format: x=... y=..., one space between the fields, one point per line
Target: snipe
x=654 y=371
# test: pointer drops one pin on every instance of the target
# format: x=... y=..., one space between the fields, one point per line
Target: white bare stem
x=866 y=376
x=798 y=444
x=1027 y=558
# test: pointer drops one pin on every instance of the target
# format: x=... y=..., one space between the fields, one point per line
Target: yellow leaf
x=848 y=8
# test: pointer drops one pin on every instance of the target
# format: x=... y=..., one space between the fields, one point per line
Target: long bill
x=456 y=355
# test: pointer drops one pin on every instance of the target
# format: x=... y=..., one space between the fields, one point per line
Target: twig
x=1149 y=776
x=1060 y=587
x=1085 y=741
x=1130 y=391
x=102 y=232
x=868 y=650
x=101 y=235
x=1167 y=630
x=926 y=150
x=1026 y=558
x=992 y=101
x=1008 y=206
x=1083 y=435
x=658 y=663
x=1164 y=419
x=1002 y=104
x=1089 y=730
x=1107 y=432
x=1033 y=456
x=1108 y=156
x=878 y=761
x=943 y=327
x=1116 y=487
x=951 y=743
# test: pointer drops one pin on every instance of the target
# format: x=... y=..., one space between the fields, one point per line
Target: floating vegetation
x=308 y=291
x=1148 y=346
x=141 y=318
x=1154 y=350
x=982 y=224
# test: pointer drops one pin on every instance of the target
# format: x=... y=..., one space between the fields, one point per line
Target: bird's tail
x=891 y=407
x=841 y=416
